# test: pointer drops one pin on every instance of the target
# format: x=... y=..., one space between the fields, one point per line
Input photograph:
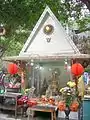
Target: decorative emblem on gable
x=48 y=29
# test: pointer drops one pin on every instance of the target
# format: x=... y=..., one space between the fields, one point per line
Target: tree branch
x=2 y=50
x=87 y=3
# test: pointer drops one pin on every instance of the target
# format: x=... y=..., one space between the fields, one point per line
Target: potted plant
x=70 y=99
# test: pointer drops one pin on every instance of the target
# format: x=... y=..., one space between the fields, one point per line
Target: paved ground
x=10 y=116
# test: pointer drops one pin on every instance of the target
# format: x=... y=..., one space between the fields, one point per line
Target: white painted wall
x=59 y=41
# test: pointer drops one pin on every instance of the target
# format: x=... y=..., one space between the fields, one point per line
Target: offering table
x=42 y=108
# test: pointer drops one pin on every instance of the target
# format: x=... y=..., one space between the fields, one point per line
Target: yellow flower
x=71 y=84
x=68 y=94
x=61 y=90
x=26 y=90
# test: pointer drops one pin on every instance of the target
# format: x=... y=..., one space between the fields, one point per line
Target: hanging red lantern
x=77 y=69
x=12 y=68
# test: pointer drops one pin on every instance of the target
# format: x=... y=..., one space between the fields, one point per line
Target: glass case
x=46 y=74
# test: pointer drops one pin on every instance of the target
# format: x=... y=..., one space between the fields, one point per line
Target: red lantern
x=12 y=68
x=77 y=69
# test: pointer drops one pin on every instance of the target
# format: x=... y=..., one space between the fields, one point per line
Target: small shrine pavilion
x=47 y=51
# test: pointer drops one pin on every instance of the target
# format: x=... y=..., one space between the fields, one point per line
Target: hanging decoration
x=12 y=68
x=77 y=69
x=65 y=64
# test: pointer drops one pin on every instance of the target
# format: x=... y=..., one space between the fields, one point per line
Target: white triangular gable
x=60 y=42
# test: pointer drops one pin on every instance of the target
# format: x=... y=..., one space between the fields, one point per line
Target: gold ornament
x=48 y=29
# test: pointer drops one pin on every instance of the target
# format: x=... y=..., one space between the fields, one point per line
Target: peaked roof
x=60 y=42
